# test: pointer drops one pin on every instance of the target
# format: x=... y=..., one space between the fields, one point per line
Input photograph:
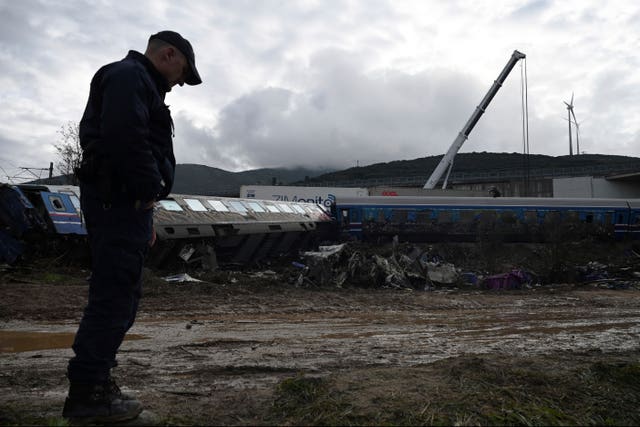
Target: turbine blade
x=571 y=99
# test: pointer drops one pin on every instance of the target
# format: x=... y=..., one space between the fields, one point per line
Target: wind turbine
x=575 y=121
x=577 y=132
x=569 y=114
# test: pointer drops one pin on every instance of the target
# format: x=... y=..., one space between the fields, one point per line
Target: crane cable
x=524 y=92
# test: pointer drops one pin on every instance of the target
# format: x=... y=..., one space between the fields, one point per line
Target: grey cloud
x=531 y=9
x=345 y=117
x=296 y=83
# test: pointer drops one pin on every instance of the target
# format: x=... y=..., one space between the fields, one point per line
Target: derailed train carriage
x=38 y=219
x=235 y=231
x=206 y=229
x=464 y=219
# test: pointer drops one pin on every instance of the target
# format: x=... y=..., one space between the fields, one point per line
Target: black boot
x=115 y=390
x=99 y=403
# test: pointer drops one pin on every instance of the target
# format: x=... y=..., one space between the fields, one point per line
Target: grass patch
x=15 y=417
x=307 y=401
x=466 y=391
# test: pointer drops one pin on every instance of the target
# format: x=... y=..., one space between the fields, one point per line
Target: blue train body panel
x=63 y=214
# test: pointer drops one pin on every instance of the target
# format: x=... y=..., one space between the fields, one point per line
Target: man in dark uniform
x=128 y=164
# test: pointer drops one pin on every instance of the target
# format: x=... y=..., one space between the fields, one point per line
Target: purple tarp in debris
x=511 y=280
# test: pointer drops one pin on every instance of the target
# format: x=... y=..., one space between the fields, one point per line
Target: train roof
x=485 y=201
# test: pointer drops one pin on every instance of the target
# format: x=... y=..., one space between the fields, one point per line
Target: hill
x=477 y=163
x=206 y=180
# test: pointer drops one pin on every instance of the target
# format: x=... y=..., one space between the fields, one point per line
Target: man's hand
x=153 y=237
x=144 y=205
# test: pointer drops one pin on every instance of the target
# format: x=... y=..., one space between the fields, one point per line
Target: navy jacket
x=126 y=131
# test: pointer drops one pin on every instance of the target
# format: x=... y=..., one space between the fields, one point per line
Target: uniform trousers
x=119 y=234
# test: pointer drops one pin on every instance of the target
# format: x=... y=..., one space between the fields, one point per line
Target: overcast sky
x=333 y=83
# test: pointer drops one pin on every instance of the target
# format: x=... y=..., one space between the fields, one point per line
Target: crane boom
x=447 y=159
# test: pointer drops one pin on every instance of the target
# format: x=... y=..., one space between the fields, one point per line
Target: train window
x=589 y=218
x=285 y=208
x=239 y=207
x=57 y=203
x=467 y=216
x=218 y=205
x=530 y=217
x=488 y=216
x=345 y=216
x=195 y=205
x=170 y=205
x=299 y=209
x=255 y=206
x=75 y=201
x=272 y=208
x=552 y=217
x=445 y=216
x=355 y=214
x=311 y=209
x=399 y=215
x=369 y=214
x=423 y=217
x=508 y=217
x=607 y=218
x=572 y=216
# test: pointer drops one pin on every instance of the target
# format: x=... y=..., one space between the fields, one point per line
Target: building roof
x=626 y=177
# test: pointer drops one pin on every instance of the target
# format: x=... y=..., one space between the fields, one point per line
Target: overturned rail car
x=37 y=219
x=210 y=230
x=237 y=231
x=468 y=219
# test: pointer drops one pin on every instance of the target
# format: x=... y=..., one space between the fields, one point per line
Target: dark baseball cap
x=183 y=46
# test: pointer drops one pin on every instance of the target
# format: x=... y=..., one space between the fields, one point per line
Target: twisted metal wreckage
x=205 y=229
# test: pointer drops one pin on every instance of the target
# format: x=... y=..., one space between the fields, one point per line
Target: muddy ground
x=250 y=347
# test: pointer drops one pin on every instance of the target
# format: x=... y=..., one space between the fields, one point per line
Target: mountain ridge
x=199 y=179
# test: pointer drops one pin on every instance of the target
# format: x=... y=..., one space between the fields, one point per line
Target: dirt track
x=214 y=353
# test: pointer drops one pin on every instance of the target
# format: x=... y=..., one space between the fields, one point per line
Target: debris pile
x=408 y=266
x=358 y=265
x=605 y=276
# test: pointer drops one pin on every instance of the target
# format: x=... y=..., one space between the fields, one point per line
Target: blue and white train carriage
x=469 y=218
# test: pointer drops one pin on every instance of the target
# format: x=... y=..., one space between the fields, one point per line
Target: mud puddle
x=21 y=341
